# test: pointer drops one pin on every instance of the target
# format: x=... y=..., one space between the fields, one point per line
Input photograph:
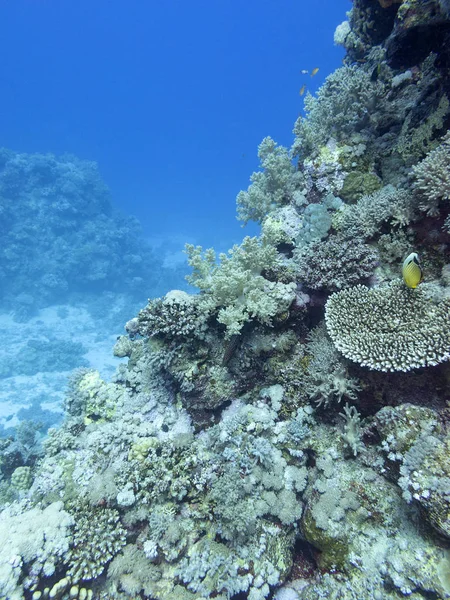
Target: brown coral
x=387 y=3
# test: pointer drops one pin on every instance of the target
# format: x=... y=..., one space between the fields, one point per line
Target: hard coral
x=432 y=178
x=389 y=328
x=177 y=315
x=335 y=263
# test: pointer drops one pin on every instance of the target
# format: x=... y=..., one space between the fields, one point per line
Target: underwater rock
x=419 y=28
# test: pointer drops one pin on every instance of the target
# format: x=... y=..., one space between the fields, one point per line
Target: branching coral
x=97 y=538
x=387 y=205
x=269 y=188
x=344 y=105
x=335 y=263
x=389 y=328
x=177 y=315
x=237 y=287
x=432 y=178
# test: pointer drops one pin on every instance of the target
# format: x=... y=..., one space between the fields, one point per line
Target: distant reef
x=60 y=235
x=284 y=433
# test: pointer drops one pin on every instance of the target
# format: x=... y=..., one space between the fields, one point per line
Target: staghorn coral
x=389 y=328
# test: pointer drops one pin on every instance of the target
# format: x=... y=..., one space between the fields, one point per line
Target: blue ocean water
x=170 y=98
x=270 y=423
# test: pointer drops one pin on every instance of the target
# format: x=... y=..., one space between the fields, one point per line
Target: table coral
x=389 y=328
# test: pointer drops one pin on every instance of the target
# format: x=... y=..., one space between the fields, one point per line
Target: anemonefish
x=412 y=271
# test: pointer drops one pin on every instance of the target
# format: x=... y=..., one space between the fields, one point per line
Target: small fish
x=376 y=73
x=230 y=348
x=302 y=89
x=304 y=71
x=314 y=71
x=412 y=271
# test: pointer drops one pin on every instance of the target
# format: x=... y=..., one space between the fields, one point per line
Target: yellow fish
x=302 y=89
x=412 y=271
x=314 y=71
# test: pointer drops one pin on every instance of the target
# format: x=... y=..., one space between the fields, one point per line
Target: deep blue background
x=170 y=97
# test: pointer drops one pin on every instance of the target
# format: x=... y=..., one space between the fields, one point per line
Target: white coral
x=30 y=536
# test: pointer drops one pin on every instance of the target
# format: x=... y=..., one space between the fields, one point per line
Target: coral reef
x=335 y=263
x=79 y=242
x=389 y=328
x=269 y=188
x=432 y=178
x=283 y=433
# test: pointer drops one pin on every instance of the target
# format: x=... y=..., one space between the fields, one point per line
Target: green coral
x=271 y=187
x=98 y=398
x=356 y=184
x=21 y=478
x=237 y=287
x=389 y=328
x=414 y=141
